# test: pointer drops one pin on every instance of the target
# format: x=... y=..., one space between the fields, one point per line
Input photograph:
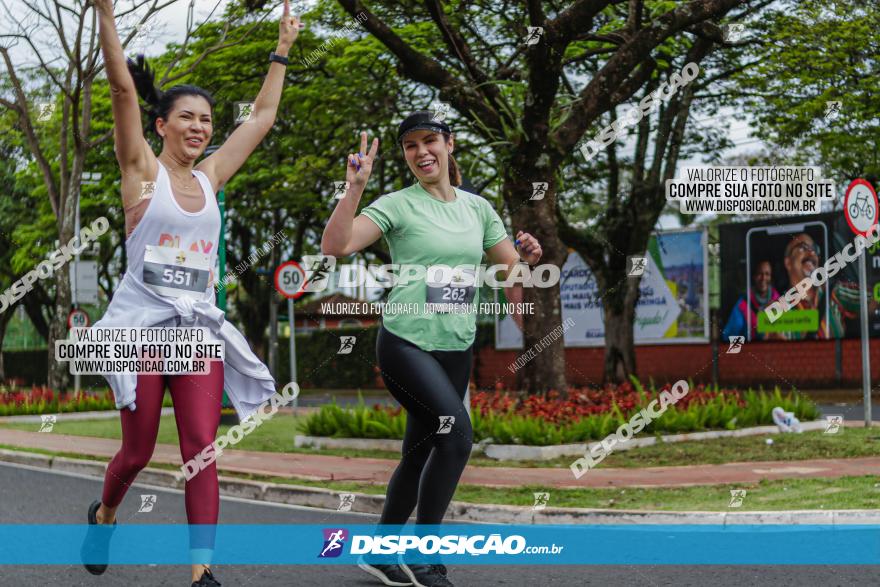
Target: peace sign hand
x=361 y=165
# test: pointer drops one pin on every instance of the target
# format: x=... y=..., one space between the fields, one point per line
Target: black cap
x=422 y=120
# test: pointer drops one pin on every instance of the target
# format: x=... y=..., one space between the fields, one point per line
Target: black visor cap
x=421 y=120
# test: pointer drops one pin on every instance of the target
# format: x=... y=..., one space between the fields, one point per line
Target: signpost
x=861 y=209
x=78 y=318
x=289 y=279
x=88 y=178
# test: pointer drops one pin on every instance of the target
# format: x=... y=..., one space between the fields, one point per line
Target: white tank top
x=166 y=224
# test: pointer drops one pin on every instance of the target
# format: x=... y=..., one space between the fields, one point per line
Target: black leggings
x=429 y=385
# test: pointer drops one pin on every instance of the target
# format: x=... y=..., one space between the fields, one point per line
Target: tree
x=516 y=88
x=818 y=54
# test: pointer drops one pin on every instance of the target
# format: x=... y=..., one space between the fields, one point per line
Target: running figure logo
x=833 y=423
x=637 y=266
x=736 y=344
x=733 y=32
x=541 y=499
x=45 y=109
x=147 y=503
x=446 y=423
x=147 y=189
x=736 y=498
x=346 y=345
x=243 y=111
x=832 y=109
x=48 y=422
x=539 y=188
x=339 y=189
x=334 y=540
x=441 y=109
x=346 y=500
x=318 y=268
x=534 y=35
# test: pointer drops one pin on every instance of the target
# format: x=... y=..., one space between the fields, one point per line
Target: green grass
x=276 y=435
x=791 y=494
x=273 y=435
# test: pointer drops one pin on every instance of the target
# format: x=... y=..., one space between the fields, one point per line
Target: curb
x=317 y=497
x=60 y=417
x=518 y=452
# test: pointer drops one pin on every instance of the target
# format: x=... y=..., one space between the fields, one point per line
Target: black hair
x=159 y=103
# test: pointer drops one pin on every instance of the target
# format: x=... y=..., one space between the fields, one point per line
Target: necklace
x=186 y=186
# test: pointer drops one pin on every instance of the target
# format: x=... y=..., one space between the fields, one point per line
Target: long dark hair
x=159 y=103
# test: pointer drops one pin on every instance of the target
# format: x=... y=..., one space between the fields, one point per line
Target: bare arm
x=136 y=159
x=223 y=164
x=504 y=253
x=345 y=234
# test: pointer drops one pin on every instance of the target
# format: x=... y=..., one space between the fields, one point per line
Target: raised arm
x=136 y=160
x=345 y=234
x=223 y=164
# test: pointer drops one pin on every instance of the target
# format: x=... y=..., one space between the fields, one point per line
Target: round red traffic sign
x=289 y=279
x=860 y=206
x=78 y=319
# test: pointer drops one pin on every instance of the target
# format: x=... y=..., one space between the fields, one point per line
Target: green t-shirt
x=422 y=230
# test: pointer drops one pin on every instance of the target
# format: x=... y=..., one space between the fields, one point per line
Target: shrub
x=584 y=415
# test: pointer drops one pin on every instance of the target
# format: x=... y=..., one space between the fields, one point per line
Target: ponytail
x=159 y=103
x=454 y=172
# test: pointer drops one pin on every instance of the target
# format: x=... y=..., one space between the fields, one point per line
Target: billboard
x=761 y=260
x=673 y=297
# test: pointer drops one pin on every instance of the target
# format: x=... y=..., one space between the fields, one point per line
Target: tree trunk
x=619 y=313
x=59 y=372
x=547 y=370
x=5 y=317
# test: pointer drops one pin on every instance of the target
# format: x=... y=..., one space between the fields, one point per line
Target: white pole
x=292 y=348
x=866 y=355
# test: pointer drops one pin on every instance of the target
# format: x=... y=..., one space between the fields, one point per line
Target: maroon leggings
x=197 y=400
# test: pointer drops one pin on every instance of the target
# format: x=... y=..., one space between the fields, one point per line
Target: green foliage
x=357 y=422
x=721 y=412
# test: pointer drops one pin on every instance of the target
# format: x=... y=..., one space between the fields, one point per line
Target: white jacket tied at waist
x=246 y=379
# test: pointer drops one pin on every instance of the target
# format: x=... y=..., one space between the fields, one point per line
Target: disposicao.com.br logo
x=430 y=544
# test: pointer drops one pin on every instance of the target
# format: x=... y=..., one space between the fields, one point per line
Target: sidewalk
x=334 y=468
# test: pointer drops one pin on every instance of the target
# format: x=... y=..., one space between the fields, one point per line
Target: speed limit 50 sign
x=289 y=279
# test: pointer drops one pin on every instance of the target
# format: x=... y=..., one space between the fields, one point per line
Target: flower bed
x=16 y=400
x=584 y=415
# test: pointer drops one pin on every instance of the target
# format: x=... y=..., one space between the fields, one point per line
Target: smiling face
x=762 y=277
x=427 y=154
x=801 y=258
x=186 y=131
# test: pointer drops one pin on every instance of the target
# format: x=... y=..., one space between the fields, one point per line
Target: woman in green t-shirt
x=436 y=234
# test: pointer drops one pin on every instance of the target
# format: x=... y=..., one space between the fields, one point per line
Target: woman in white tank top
x=172 y=226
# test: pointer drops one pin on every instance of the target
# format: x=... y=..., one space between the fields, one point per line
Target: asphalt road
x=43 y=497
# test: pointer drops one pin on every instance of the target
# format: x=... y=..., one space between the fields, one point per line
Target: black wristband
x=278 y=58
x=526 y=263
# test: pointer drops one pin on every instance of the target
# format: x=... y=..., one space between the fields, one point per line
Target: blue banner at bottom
x=64 y=544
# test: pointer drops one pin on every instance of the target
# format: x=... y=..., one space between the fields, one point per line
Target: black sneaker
x=427 y=575
x=388 y=574
x=207 y=580
x=96 y=546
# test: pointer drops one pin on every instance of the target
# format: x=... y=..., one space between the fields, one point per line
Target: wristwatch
x=278 y=58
